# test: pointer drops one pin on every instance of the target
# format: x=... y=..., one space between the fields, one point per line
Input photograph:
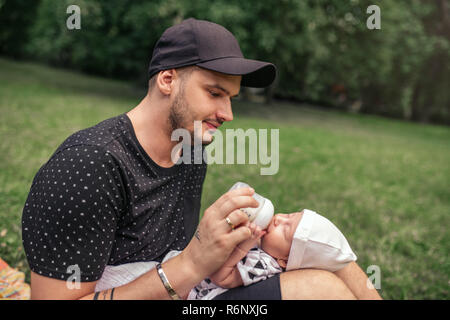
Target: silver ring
x=229 y=223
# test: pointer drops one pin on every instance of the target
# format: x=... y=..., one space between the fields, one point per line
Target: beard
x=178 y=113
x=182 y=116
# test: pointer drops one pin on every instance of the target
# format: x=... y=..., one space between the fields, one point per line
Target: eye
x=214 y=94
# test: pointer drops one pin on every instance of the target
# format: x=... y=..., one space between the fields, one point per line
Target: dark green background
x=323 y=49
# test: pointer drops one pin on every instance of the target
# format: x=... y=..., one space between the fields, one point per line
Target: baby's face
x=280 y=233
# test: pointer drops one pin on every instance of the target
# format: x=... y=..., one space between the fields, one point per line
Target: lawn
x=385 y=183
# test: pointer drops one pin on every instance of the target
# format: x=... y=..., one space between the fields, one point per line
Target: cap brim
x=255 y=74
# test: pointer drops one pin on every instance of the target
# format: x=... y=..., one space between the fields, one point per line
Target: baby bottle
x=262 y=215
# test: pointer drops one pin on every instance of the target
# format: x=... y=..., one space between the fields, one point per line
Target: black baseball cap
x=210 y=46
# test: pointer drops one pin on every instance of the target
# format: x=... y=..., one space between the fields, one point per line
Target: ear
x=282 y=263
x=165 y=81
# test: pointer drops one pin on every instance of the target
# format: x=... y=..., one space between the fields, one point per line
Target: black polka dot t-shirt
x=101 y=200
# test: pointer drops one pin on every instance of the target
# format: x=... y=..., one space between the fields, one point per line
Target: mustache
x=216 y=122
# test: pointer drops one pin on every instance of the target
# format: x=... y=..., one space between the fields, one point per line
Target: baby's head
x=279 y=235
x=306 y=239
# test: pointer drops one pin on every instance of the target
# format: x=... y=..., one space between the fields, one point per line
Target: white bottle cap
x=262 y=215
x=265 y=214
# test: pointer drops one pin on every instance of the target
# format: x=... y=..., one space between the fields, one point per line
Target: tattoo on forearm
x=105 y=294
x=197 y=235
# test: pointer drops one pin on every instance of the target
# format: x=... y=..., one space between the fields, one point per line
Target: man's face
x=203 y=96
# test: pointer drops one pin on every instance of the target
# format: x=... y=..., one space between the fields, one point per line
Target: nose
x=225 y=113
x=279 y=218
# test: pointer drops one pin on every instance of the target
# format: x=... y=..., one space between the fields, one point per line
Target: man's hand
x=215 y=239
x=228 y=275
x=257 y=233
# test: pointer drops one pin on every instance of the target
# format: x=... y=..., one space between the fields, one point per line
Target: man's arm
x=356 y=280
x=205 y=253
x=147 y=287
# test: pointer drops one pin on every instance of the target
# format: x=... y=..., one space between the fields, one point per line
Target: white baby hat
x=318 y=244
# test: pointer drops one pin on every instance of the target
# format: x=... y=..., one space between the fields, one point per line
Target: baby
x=291 y=241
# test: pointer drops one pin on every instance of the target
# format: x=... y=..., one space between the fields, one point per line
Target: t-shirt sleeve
x=70 y=216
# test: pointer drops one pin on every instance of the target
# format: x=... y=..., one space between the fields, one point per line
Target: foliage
x=323 y=49
x=15 y=23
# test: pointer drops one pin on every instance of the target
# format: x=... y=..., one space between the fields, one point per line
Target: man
x=112 y=194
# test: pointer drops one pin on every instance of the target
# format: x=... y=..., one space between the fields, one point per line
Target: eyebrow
x=219 y=87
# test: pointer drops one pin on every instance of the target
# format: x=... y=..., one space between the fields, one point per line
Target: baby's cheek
x=269 y=243
x=264 y=243
x=276 y=245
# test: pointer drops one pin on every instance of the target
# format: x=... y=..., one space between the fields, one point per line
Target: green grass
x=384 y=183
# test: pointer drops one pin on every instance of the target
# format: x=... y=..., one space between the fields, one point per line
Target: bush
x=324 y=51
